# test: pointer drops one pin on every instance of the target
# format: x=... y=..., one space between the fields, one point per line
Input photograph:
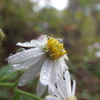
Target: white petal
x=51 y=89
x=63 y=64
x=32 y=43
x=68 y=84
x=41 y=37
x=57 y=93
x=66 y=57
x=24 y=56
x=26 y=64
x=50 y=97
x=61 y=87
x=31 y=72
x=74 y=88
x=53 y=74
x=46 y=72
x=59 y=69
x=40 y=89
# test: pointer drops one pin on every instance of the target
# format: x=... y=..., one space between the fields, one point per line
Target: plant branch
x=7 y=84
x=28 y=94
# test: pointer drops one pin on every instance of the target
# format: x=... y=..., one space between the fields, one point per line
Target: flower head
x=54 y=49
x=46 y=56
x=62 y=90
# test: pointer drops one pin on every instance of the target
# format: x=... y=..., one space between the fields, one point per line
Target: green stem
x=7 y=84
x=15 y=84
x=28 y=94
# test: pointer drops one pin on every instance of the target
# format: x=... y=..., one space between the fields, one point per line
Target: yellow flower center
x=54 y=49
x=72 y=98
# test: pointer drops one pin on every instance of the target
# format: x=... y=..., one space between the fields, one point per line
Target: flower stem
x=7 y=84
x=28 y=94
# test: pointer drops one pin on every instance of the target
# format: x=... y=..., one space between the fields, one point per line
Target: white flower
x=62 y=89
x=47 y=57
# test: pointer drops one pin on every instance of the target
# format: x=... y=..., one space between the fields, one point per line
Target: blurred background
x=76 y=21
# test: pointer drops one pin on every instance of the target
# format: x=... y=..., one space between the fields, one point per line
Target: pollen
x=54 y=49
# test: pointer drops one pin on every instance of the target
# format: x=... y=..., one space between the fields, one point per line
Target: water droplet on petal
x=11 y=54
x=34 y=55
x=44 y=71
x=49 y=70
x=44 y=68
x=44 y=77
x=27 y=42
x=24 y=79
x=20 y=49
x=16 y=65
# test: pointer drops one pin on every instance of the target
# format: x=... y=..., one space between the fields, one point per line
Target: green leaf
x=4 y=95
x=4 y=71
x=16 y=96
x=6 y=75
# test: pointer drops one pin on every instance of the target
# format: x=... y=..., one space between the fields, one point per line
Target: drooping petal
x=24 y=55
x=46 y=71
x=40 y=89
x=50 y=97
x=31 y=72
x=26 y=64
x=68 y=84
x=59 y=69
x=73 y=88
x=53 y=74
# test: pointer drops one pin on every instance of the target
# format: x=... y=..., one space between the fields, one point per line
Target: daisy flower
x=62 y=90
x=46 y=55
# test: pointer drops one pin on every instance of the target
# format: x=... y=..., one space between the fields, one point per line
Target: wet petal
x=26 y=64
x=50 y=97
x=32 y=43
x=46 y=71
x=59 y=69
x=24 y=56
x=53 y=75
x=40 y=89
x=31 y=72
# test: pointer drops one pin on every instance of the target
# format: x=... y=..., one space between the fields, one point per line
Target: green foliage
x=4 y=94
x=5 y=75
x=84 y=2
x=16 y=96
